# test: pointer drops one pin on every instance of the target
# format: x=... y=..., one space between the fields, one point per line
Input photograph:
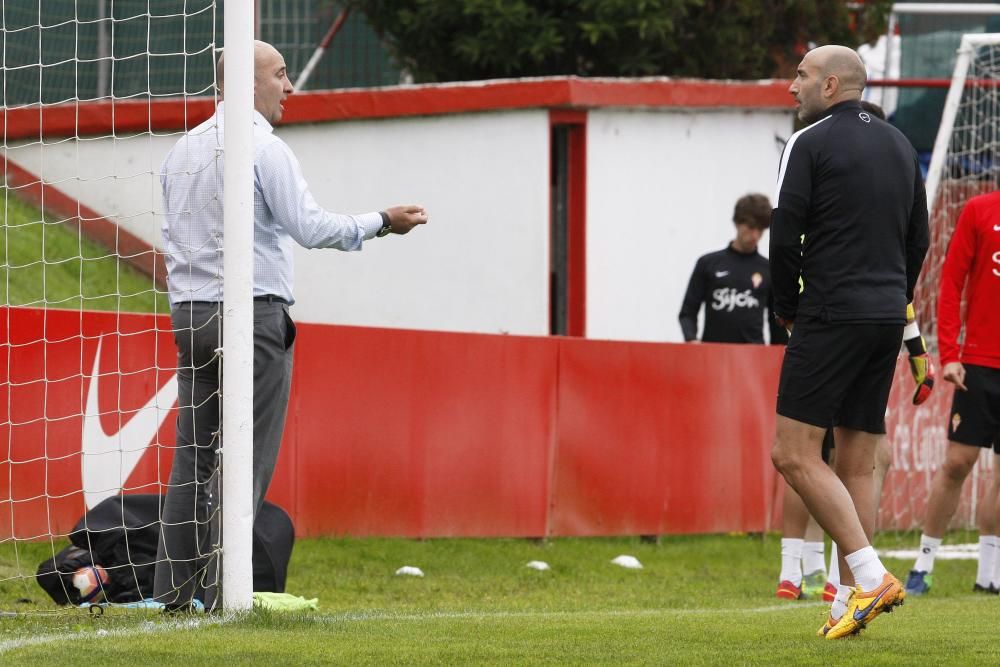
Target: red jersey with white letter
x=973 y=254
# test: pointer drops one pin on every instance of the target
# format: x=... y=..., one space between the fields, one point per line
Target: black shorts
x=975 y=414
x=839 y=374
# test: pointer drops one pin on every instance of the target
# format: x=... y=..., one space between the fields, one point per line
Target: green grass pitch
x=697 y=600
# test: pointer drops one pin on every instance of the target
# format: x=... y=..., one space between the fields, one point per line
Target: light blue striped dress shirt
x=284 y=212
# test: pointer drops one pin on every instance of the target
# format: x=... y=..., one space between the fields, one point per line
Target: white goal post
x=237 y=341
x=94 y=95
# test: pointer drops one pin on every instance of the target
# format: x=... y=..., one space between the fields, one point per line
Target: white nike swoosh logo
x=109 y=458
x=996 y=228
x=721 y=274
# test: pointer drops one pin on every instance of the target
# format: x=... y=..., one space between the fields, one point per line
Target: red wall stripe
x=170 y=115
x=104 y=118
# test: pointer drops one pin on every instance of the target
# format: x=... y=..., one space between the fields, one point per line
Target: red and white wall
x=661 y=165
x=436 y=423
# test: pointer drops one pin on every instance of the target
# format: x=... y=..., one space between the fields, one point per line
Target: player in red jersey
x=972 y=263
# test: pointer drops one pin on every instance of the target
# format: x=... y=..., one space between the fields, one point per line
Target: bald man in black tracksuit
x=851 y=184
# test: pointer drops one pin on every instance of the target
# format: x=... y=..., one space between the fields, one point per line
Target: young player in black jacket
x=734 y=284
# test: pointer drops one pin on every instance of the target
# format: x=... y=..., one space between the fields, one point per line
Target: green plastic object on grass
x=284 y=602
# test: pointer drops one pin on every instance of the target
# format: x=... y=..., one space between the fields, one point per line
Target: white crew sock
x=791 y=560
x=812 y=557
x=834 y=576
x=867 y=569
x=928 y=550
x=839 y=605
x=989 y=550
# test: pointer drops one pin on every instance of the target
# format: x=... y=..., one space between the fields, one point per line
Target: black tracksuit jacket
x=850 y=183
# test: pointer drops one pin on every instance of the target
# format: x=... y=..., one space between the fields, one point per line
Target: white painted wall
x=660 y=190
x=661 y=187
x=481 y=263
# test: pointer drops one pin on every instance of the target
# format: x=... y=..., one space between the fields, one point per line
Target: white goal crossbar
x=963 y=8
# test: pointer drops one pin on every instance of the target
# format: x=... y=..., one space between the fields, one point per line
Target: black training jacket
x=735 y=288
x=852 y=185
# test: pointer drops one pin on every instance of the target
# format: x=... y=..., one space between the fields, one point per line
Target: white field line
x=144 y=629
x=152 y=627
x=384 y=615
x=945 y=552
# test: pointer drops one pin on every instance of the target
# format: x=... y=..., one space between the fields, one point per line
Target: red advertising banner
x=83 y=396
x=663 y=439
x=430 y=434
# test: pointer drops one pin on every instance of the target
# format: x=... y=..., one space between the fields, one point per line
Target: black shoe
x=989 y=590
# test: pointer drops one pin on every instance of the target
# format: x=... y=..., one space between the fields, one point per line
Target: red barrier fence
x=442 y=434
x=424 y=434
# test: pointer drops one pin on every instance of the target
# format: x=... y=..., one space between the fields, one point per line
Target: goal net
x=964 y=164
x=94 y=95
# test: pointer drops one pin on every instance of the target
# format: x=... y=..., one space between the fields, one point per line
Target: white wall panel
x=481 y=263
x=661 y=186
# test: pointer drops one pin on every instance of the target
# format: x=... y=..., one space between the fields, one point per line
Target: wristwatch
x=386 y=226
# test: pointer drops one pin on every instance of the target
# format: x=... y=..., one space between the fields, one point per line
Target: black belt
x=270 y=298
x=265 y=298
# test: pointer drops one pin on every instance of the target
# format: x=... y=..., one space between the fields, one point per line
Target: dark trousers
x=187 y=560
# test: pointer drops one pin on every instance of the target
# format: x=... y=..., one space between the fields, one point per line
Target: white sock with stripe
x=989 y=550
x=928 y=550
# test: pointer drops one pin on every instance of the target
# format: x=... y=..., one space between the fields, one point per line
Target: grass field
x=46 y=264
x=698 y=600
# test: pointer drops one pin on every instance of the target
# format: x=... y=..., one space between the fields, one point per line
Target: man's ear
x=831 y=85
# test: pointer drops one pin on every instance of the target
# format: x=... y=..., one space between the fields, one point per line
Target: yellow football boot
x=863 y=607
x=826 y=627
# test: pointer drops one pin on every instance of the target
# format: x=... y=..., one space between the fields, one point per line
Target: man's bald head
x=270 y=80
x=843 y=63
x=826 y=76
x=263 y=53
